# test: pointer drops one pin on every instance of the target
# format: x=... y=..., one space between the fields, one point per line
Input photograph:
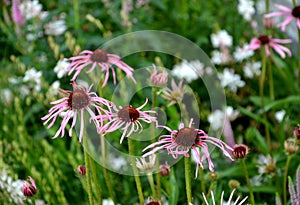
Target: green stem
x=248 y=181
x=267 y=6
x=94 y=173
x=285 y=179
x=157 y=175
x=202 y=180
x=88 y=172
x=76 y=6
x=271 y=83
x=105 y=172
x=298 y=57
x=188 y=186
x=135 y=171
x=294 y=4
x=151 y=182
x=261 y=93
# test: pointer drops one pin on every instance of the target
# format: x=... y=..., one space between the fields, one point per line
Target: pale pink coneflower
x=127 y=118
x=146 y=166
x=175 y=93
x=16 y=13
x=289 y=13
x=29 y=189
x=101 y=58
x=222 y=202
x=267 y=42
x=75 y=102
x=181 y=141
x=158 y=78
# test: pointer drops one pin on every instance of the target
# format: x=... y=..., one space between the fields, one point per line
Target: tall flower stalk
x=188 y=185
x=135 y=171
x=88 y=171
x=261 y=94
x=105 y=172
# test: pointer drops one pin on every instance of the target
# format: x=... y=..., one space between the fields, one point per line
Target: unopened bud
x=164 y=169
x=240 y=151
x=81 y=170
x=29 y=189
x=233 y=184
x=291 y=146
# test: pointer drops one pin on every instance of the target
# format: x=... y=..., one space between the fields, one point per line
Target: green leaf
x=281 y=102
x=253 y=134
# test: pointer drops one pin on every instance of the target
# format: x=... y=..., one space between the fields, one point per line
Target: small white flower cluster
x=252 y=69
x=11 y=188
x=61 y=68
x=190 y=71
x=246 y=9
x=231 y=80
x=32 y=9
x=223 y=41
x=242 y=53
x=217 y=117
x=57 y=26
x=33 y=76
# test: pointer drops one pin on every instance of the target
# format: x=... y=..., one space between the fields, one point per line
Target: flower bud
x=268 y=22
x=158 y=79
x=240 y=151
x=29 y=189
x=233 y=184
x=291 y=146
x=81 y=170
x=164 y=169
x=297 y=132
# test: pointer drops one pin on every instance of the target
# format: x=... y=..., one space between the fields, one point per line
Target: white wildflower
x=217 y=117
x=246 y=9
x=30 y=9
x=252 y=69
x=7 y=95
x=279 y=115
x=107 y=202
x=221 y=39
x=220 y=58
x=117 y=162
x=242 y=53
x=231 y=80
x=61 y=68
x=33 y=76
x=56 y=27
x=54 y=88
x=188 y=70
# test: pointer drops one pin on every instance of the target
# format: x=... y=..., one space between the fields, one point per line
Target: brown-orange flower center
x=186 y=137
x=264 y=39
x=99 y=56
x=296 y=12
x=78 y=99
x=129 y=114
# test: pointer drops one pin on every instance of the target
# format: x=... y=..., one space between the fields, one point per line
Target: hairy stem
x=188 y=186
x=97 y=187
x=105 y=172
x=135 y=171
x=261 y=93
x=157 y=175
x=152 y=186
x=88 y=171
x=248 y=181
x=285 y=179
